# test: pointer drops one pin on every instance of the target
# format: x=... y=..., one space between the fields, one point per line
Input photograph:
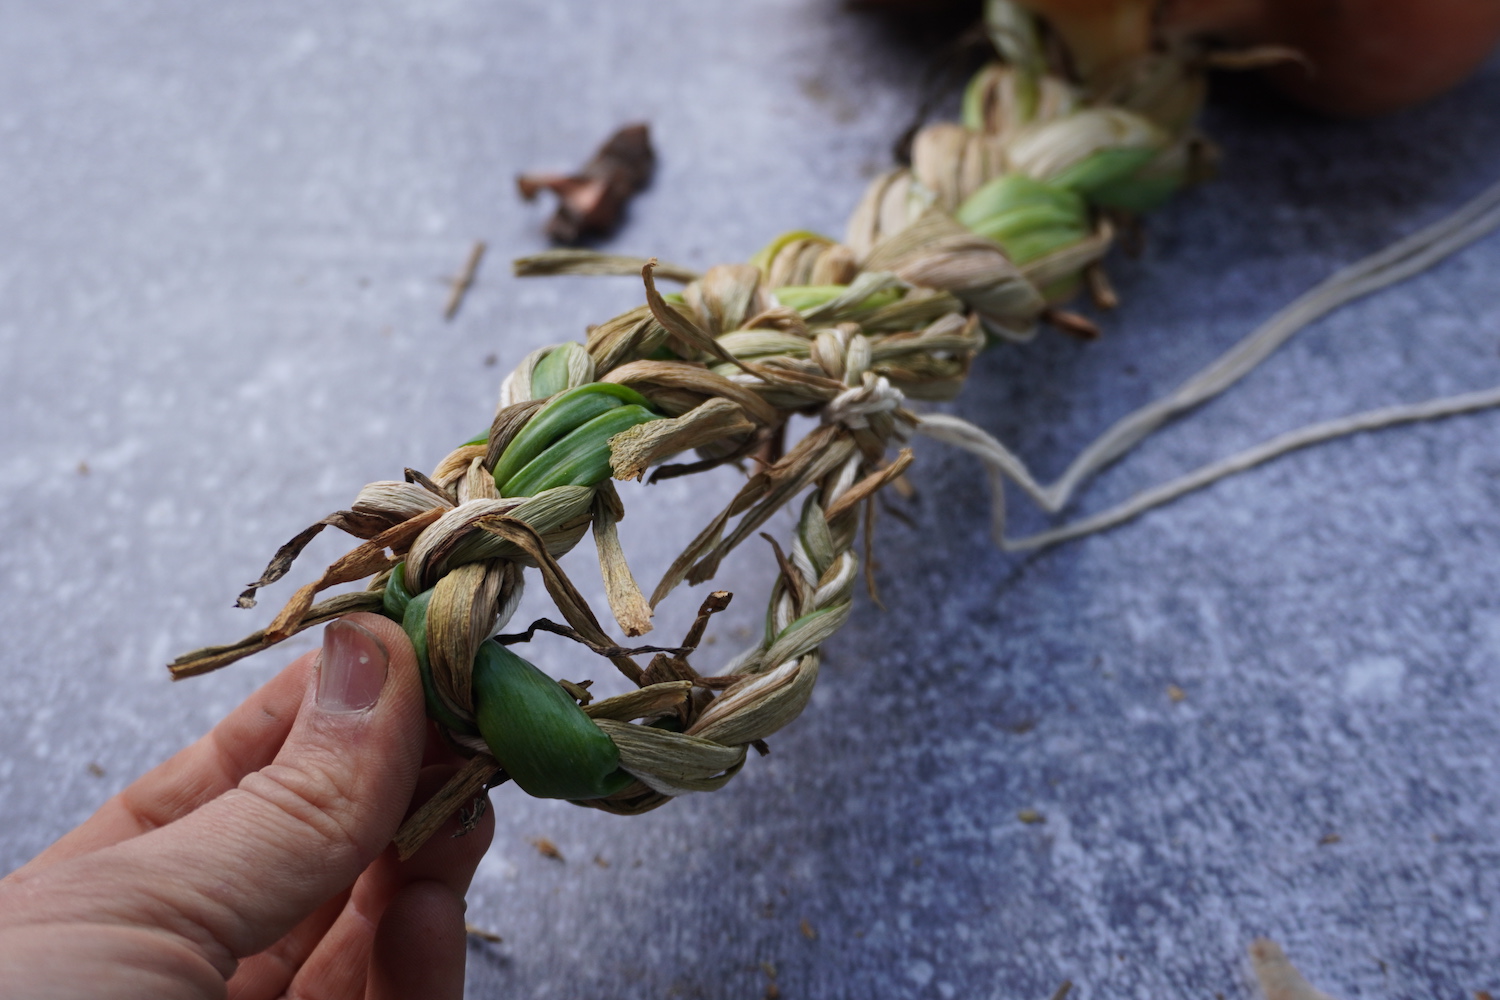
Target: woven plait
x=995 y=221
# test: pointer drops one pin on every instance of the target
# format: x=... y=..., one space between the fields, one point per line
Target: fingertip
x=421 y=945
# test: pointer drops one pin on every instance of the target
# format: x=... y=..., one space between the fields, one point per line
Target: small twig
x=1062 y=991
x=603 y=649
x=1072 y=323
x=465 y=278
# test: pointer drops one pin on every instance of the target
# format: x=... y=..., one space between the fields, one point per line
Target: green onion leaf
x=537 y=732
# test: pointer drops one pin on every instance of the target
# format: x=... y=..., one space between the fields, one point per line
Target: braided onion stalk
x=998 y=219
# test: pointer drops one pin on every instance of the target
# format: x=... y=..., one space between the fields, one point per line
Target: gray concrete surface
x=224 y=235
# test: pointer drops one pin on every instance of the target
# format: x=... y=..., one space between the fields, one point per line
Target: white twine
x=1398 y=262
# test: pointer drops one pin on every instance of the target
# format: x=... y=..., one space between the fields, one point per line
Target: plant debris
x=463 y=280
x=1278 y=977
x=482 y=934
x=773 y=992
x=1030 y=816
x=547 y=849
x=808 y=931
x=592 y=201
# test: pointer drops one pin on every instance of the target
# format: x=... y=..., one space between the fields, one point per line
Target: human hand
x=255 y=864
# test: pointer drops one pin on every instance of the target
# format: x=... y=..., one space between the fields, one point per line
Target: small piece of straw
x=465 y=278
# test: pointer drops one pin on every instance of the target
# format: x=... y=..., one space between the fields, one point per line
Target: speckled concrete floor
x=226 y=230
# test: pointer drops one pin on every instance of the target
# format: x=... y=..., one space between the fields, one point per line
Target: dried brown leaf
x=592 y=201
x=635 y=450
x=570 y=603
x=647 y=376
x=507 y=424
x=210 y=658
x=1278 y=977
x=477 y=484
x=761 y=705
x=460 y=617
x=456 y=464
x=937 y=252
x=651 y=700
x=355 y=564
x=576 y=261
x=626 y=601
x=673 y=763
x=726 y=296
x=683 y=326
x=868 y=486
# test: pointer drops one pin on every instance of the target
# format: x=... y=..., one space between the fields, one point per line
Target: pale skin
x=255 y=864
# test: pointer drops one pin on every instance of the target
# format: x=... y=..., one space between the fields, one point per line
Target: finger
x=344 y=955
x=246 y=740
x=439 y=750
x=265 y=976
x=421 y=945
x=242 y=871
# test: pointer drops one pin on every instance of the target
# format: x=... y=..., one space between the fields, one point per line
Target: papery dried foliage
x=846 y=332
x=592 y=201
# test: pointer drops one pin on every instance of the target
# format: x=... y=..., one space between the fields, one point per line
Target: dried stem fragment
x=591 y=202
x=463 y=280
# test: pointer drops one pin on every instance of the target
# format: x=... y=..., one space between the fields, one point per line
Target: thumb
x=239 y=873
